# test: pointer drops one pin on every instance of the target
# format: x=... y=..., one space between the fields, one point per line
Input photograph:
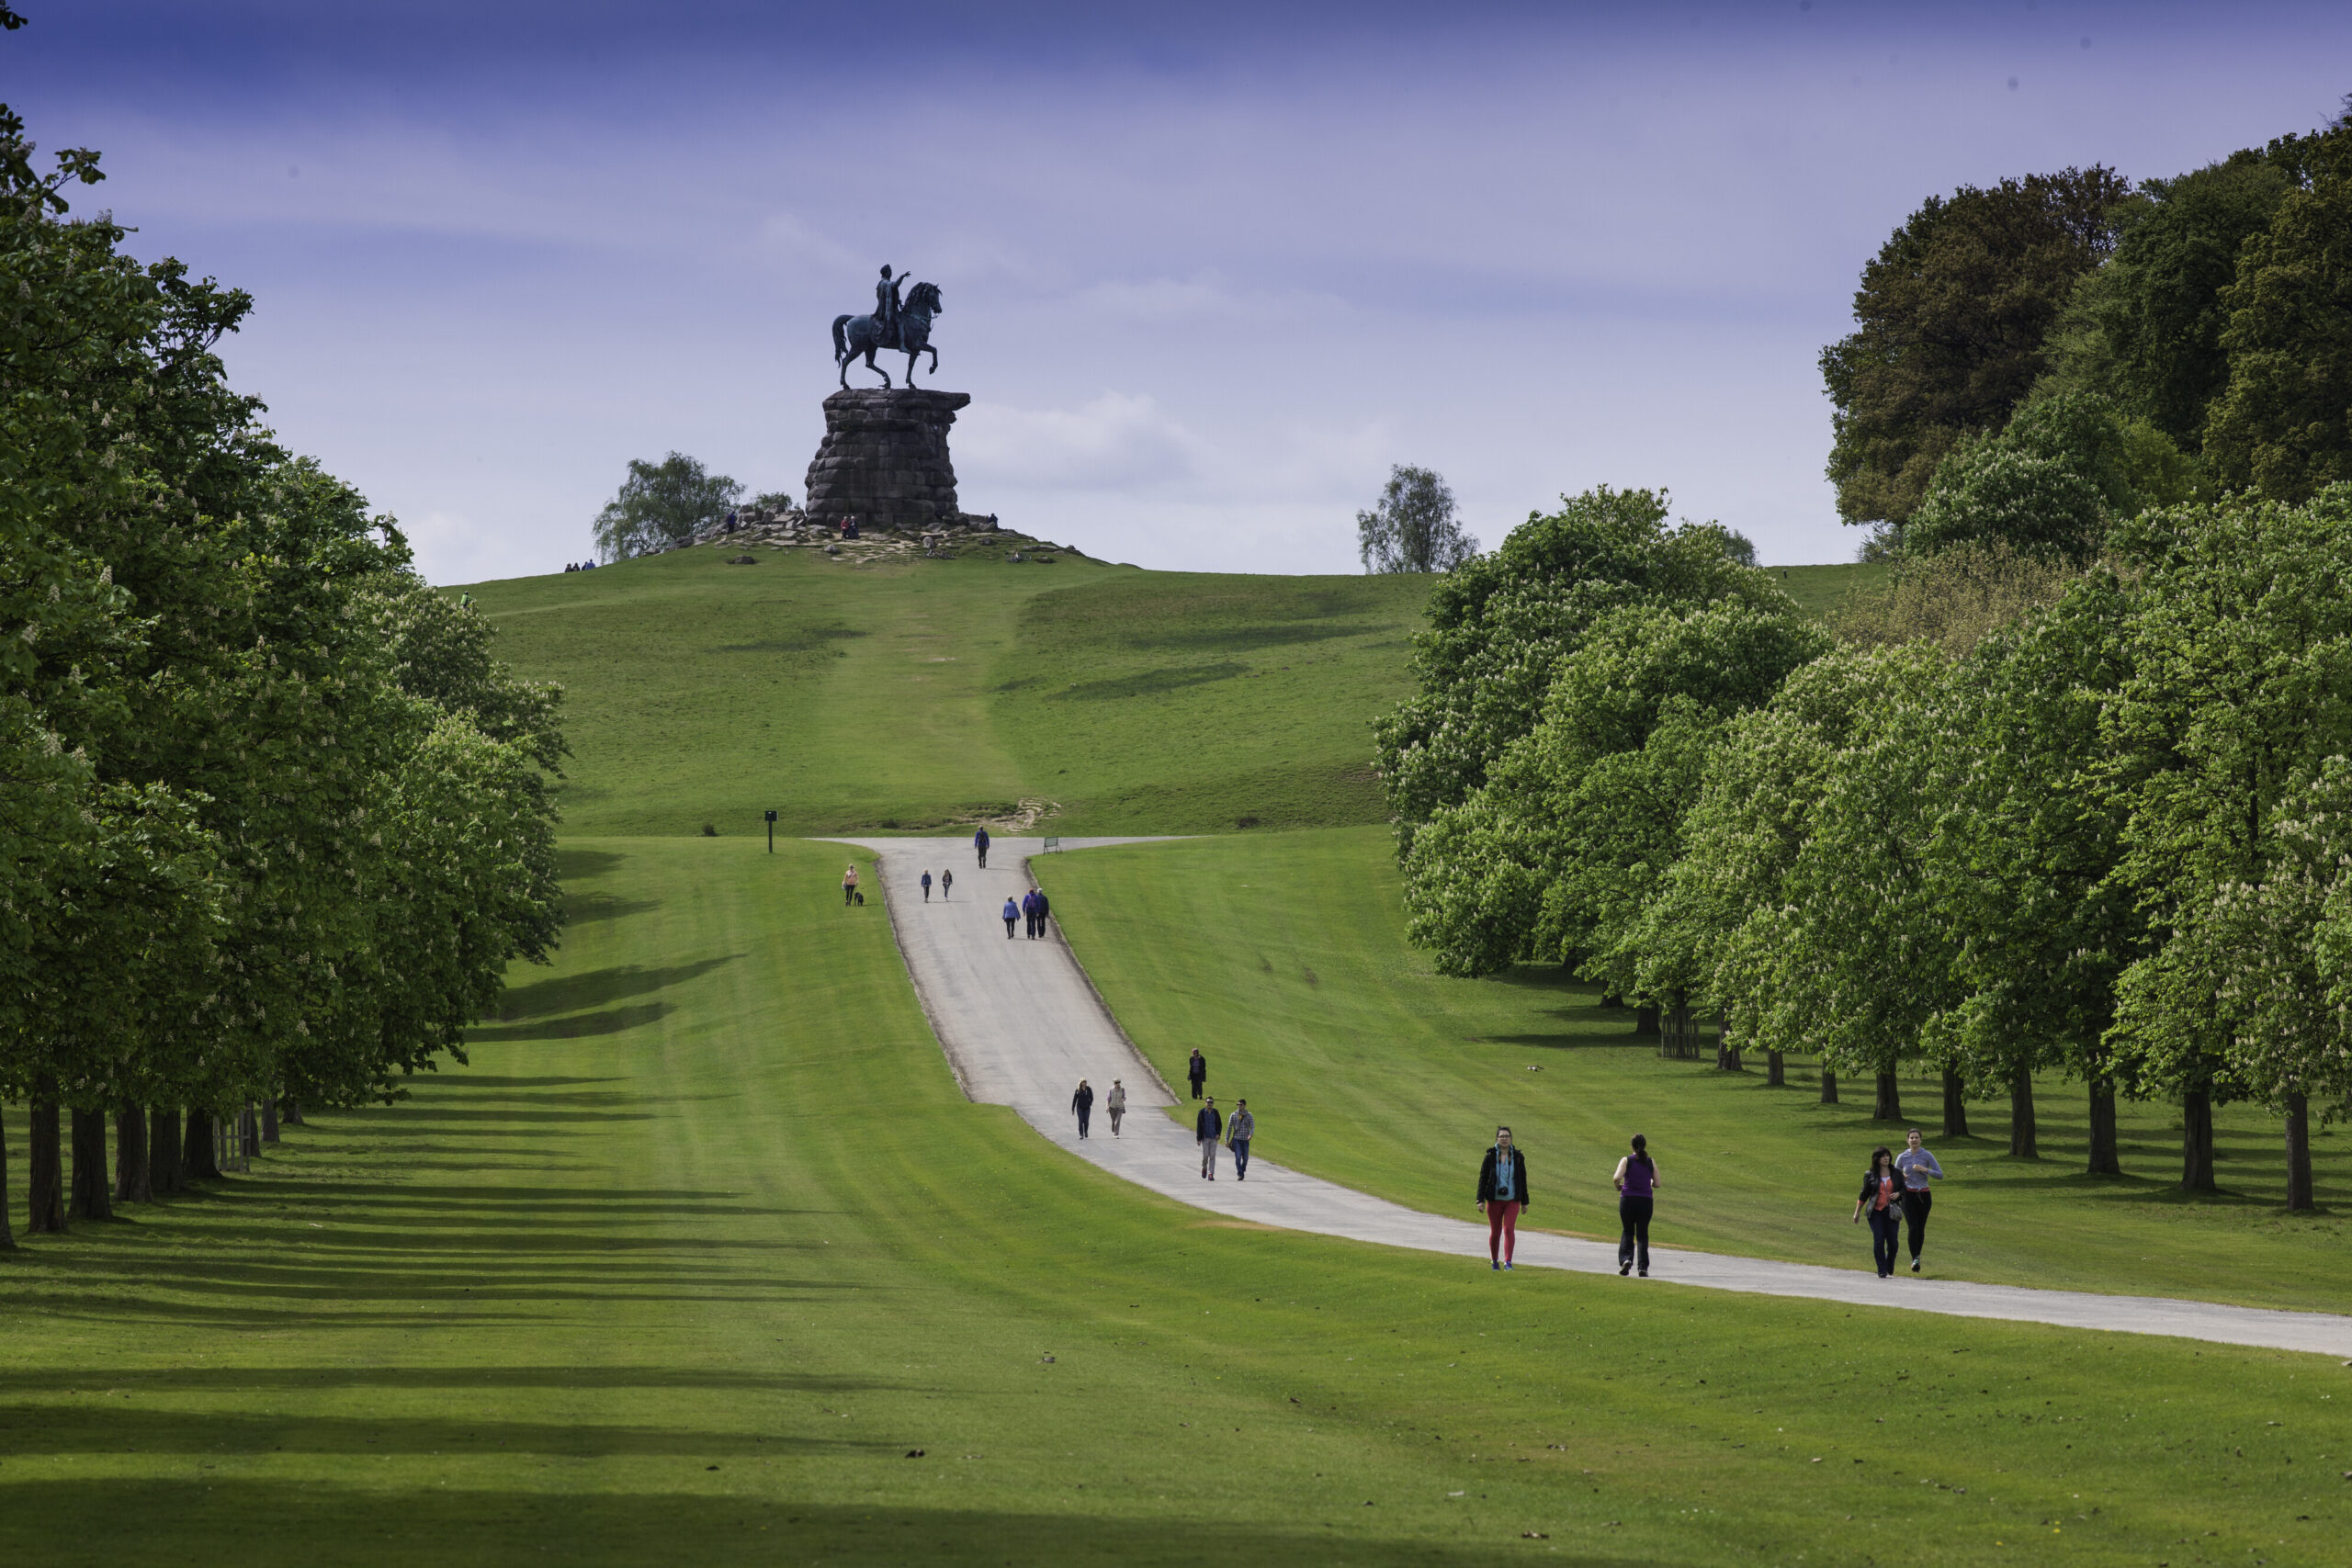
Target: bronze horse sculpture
x=865 y=335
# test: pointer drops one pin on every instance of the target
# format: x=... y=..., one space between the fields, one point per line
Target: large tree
x=1949 y=324
x=2051 y=482
x=1412 y=527
x=1499 y=625
x=662 y=505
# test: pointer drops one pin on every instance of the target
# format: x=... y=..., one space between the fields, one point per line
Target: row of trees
x=273 y=821
x=2197 y=332
x=2097 y=822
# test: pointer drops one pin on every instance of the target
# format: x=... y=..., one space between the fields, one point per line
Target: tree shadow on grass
x=242 y=1380
x=598 y=988
x=580 y=1026
x=122 y=1518
x=575 y=865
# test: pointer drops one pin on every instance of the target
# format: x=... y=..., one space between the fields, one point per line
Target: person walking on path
x=1083 y=1103
x=1115 y=1102
x=1045 y=912
x=1637 y=1182
x=1502 y=1196
x=849 y=885
x=1011 y=913
x=926 y=887
x=980 y=842
x=1029 y=912
x=1919 y=1168
x=1237 y=1133
x=946 y=880
x=1206 y=1126
x=1197 y=1071
x=1881 y=1187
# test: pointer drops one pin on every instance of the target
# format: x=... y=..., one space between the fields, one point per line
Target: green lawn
x=705 y=1242
x=1282 y=957
x=906 y=694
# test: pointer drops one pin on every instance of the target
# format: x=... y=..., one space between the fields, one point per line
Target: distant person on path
x=926 y=887
x=1197 y=1071
x=1881 y=1196
x=1083 y=1103
x=1011 y=913
x=946 y=883
x=849 y=885
x=980 y=842
x=1206 y=1127
x=1237 y=1133
x=1045 y=912
x=1919 y=1168
x=1637 y=1182
x=1115 y=1102
x=1029 y=913
x=1502 y=1195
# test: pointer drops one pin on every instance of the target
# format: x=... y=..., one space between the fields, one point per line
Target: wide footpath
x=1021 y=1024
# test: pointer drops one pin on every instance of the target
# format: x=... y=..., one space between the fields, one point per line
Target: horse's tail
x=840 y=344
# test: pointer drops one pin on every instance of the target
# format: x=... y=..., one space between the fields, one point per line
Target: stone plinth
x=884 y=460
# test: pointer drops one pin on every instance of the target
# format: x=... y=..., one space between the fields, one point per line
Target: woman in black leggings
x=1881 y=1195
x=1637 y=1182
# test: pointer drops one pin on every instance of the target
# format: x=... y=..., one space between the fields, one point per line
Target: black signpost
x=771 y=833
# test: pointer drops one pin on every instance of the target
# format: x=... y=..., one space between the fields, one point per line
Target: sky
x=1208 y=270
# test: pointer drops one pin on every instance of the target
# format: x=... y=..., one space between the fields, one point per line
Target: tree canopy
x=662 y=505
x=1412 y=527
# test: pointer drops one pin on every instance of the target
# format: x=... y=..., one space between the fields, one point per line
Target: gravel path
x=1021 y=1023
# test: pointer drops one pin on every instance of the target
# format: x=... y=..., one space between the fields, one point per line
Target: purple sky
x=1207 y=274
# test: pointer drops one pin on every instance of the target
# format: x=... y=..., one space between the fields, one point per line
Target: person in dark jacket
x=1011 y=913
x=1208 y=1127
x=1881 y=1198
x=980 y=842
x=1083 y=1103
x=946 y=880
x=1237 y=1133
x=1045 y=912
x=926 y=887
x=1197 y=1071
x=1502 y=1196
x=1637 y=1182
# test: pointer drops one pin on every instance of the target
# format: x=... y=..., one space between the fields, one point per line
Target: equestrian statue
x=902 y=327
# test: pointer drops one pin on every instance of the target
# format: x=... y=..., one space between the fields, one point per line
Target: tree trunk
x=1955 y=1106
x=2197 y=1140
x=1726 y=1049
x=8 y=1236
x=269 y=1120
x=248 y=1136
x=2298 y=1153
x=163 y=1150
x=1888 y=1104
x=45 y=1181
x=92 y=1183
x=1828 y=1086
x=2107 y=1150
x=1645 y=1020
x=2024 y=1140
x=289 y=1114
x=197 y=1158
x=133 y=1182
x=1775 y=1070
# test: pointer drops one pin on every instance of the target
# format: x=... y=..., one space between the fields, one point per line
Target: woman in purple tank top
x=1637 y=1182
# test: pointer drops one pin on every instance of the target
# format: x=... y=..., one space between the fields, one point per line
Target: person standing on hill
x=1206 y=1127
x=980 y=842
x=1083 y=1103
x=1502 y=1196
x=1115 y=1102
x=926 y=887
x=1881 y=1196
x=1237 y=1133
x=1011 y=913
x=1197 y=1071
x=946 y=883
x=1637 y=1182
x=1919 y=1168
x=849 y=885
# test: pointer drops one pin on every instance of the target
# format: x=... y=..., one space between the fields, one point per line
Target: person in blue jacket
x=1045 y=909
x=1011 y=913
x=926 y=887
x=1029 y=913
x=980 y=842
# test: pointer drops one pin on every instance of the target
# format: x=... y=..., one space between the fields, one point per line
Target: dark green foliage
x=2283 y=425
x=2146 y=328
x=1413 y=528
x=1949 y=325
x=662 y=505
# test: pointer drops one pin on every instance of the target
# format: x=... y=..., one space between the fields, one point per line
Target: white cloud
x=1116 y=441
